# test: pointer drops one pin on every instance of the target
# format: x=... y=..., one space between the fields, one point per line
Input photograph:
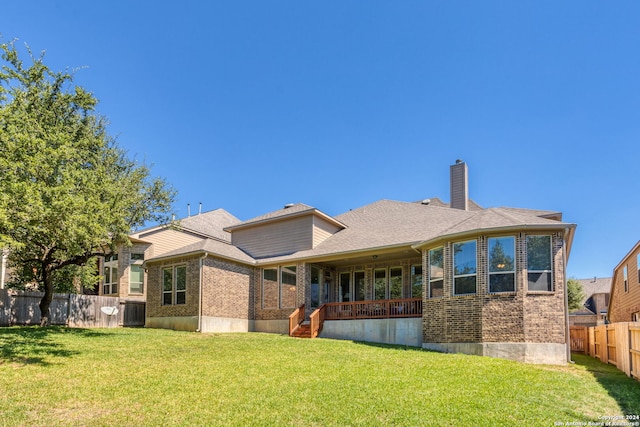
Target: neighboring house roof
x=592 y=288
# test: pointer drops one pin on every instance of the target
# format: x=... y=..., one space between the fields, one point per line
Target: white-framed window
x=539 y=263
x=416 y=281
x=502 y=264
x=136 y=274
x=464 y=267
x=380 y=283
x=174 y=285
x=625 y=277
x=638 y=266
x=110 y=275
x=436 y=272
x=279 y=287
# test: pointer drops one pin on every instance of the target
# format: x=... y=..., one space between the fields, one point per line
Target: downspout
x=566 y=296
x=200 y=293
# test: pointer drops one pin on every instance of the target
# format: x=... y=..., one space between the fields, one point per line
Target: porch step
x=303 y=331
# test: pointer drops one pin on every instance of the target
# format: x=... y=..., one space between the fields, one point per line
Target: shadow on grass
x=28 y=345
x=625 y=390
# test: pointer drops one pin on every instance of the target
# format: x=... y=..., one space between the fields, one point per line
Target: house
x=594 y=304
x=624 y=304
x=448 y=277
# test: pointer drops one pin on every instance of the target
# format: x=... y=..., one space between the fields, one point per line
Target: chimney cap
x=458 y=161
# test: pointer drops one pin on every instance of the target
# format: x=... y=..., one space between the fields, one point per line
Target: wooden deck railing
x=376 y=309
x=317 y=320
x=295 y=319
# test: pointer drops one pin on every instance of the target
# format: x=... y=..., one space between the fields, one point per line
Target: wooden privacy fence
x=617 y=344
x=579 y=336
x=79 y=311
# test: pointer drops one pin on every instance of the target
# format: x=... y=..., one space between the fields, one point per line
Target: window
x=395 y=283
x=380 y=284
x=436 y=272
x=279 y=287
x=174 y=285
x=638 y=266
x=464 y=267
x=539 y=263
x=416 y=281
x=345 y=287
x=358 y=281
x=110 y=284
x=625 y=277
x=136 y=274
x=270 y=288
x=502 y=271
x=136 y=279
x=288 y=286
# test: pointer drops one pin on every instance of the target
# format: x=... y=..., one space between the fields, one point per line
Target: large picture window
x=395 y=283
x=174 y=285
x=436 y=272
x=502 y=271
x=539 y=263
x=464 y=267
x=380 y=284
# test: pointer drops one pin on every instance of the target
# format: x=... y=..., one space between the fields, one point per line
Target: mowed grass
x=136 y=377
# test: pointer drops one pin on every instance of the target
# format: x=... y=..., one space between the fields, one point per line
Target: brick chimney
x=459 y=181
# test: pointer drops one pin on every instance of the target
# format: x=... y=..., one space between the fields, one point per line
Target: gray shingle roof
x=388 y=223
x=210 y=223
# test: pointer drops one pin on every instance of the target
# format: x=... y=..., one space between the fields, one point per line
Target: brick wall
x=227 y=290
x=519 y=316
x=154 y=288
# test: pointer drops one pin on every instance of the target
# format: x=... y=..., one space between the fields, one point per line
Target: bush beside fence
x=79 y=311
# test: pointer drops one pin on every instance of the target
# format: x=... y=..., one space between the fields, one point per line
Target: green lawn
x=132 y=377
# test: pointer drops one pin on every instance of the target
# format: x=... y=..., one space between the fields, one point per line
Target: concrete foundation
x=405 y=331
x=527 y=352
x=186 y=323
x=271 y=326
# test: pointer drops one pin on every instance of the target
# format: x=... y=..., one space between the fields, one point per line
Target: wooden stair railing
x=295 y=319
x=317 y=319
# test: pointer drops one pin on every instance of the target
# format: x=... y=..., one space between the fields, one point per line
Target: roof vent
x=288 y=205
x=426 y=201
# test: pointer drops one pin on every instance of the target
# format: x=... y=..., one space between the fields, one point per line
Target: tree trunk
x=45 y=302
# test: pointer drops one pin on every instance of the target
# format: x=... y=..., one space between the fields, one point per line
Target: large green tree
x=68 y=192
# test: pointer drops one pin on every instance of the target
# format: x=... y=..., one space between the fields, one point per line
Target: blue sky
x=249 y=105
